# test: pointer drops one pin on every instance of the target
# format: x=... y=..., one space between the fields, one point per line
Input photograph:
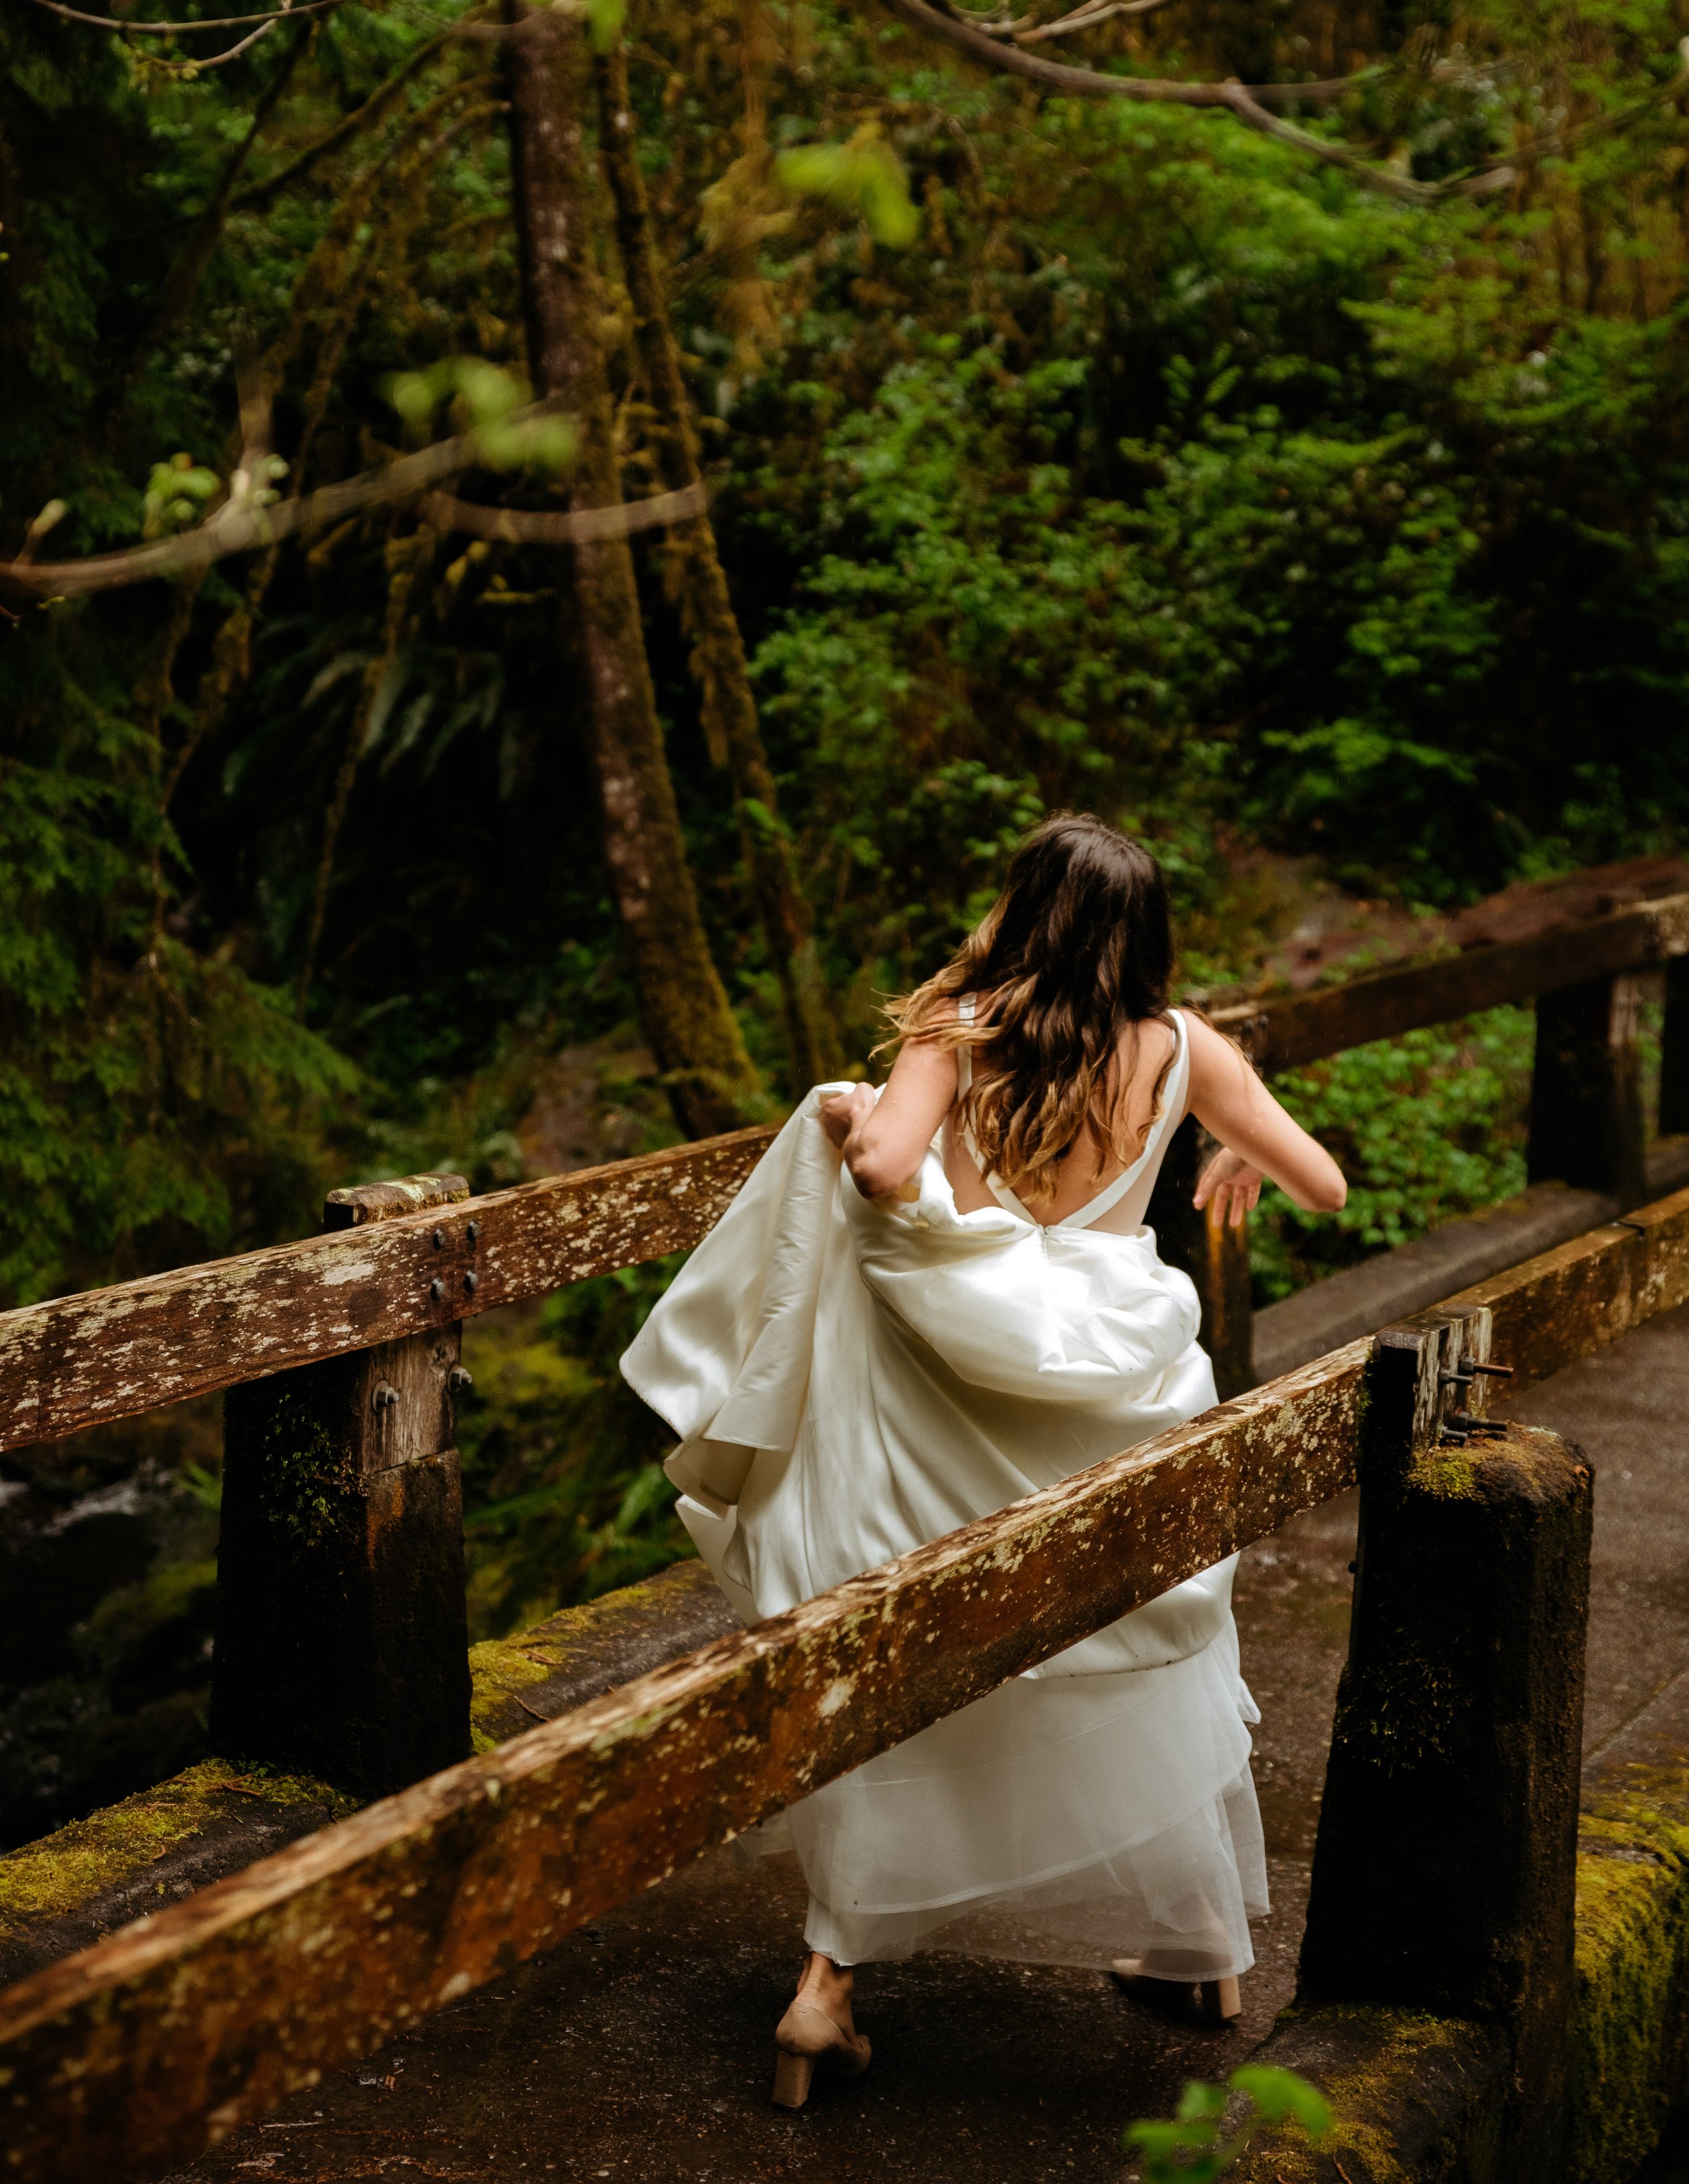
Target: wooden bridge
x=340 y=1643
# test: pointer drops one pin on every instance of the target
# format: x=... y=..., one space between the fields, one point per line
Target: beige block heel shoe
x=807 y=2040
x=1212 y=2001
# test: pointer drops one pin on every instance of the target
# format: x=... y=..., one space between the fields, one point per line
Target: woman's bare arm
x=1260 y=1139
x=884 y=1141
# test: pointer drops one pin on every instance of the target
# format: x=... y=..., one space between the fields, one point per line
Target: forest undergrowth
x=1074 y=453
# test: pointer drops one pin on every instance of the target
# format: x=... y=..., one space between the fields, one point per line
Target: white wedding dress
x=849 y=1379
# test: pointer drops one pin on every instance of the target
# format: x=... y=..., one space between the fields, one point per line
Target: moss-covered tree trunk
x=684 y=1005
x=699 y=585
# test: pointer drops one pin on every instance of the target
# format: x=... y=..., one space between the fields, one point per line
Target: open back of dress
x=1121 y=1205
x=851 y=1378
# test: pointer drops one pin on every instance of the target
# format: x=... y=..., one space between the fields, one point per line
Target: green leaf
x=1282 y=2096
x=863 y=178
x=603 y=22
x=650 y=1490
x=1170 y=2138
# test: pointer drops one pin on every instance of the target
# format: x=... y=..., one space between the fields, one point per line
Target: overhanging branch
x=242 y=523
x=1250 y=102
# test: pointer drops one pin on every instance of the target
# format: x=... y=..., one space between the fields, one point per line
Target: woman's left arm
x=884 y=1141
x=1258 y=1137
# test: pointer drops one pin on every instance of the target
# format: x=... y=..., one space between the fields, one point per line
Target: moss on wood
x=306 y=1473
x=1411 y=2092
x=67 y=1869
x=580 y=1651
x=65 y=1872
x=500 y=1669
x=1630 y=2031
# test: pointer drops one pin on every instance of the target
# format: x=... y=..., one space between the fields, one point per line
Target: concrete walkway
x=642 y=2048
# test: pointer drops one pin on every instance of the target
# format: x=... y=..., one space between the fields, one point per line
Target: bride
x=927 y=1302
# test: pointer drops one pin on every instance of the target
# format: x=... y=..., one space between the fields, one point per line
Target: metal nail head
x=461 y=1379
x=436 y=1288
x=386 y=1395
x=469 y=1284
x=473 y=1231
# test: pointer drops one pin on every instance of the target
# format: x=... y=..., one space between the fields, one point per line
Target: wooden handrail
x=126 y=2059
x=1284 y=1033
x=112 y=1353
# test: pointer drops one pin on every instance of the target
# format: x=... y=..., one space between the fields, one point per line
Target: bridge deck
x=640 y=2050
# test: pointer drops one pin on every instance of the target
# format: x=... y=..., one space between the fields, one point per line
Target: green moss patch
x=499 y=1667
x=1631 y=2040
x=1384 y=2071
x=69 y=1868
x=595 y=1644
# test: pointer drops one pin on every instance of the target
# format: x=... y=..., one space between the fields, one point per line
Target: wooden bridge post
x=1444 y=1869
x=1216 y=1258
x=342 y=1646
x=1674 y=1055
x=1587 y=1121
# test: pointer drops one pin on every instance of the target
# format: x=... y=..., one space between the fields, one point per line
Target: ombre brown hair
x=1075 y=953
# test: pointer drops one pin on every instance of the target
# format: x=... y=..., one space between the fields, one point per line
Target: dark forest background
x=1060 y=453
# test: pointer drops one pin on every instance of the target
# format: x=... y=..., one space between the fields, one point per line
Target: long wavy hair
x=1075 y=953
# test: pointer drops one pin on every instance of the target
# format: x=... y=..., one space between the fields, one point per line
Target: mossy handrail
x=127 y=2058
x=105 y=1354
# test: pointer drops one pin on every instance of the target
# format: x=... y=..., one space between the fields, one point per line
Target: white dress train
x=849 y=1379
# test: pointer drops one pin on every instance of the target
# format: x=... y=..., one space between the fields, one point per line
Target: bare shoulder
x=1216 y=1064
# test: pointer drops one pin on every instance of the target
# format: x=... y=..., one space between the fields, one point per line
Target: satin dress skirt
x=851 y=1379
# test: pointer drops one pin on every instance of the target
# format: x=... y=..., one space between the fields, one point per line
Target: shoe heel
x=1220 y=2001
x=792 y=2078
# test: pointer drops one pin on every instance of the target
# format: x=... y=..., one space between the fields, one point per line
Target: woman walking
x=928 y=1302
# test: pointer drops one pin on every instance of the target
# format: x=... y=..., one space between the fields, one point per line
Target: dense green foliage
x=1425 y=1128
x=1162 y=471
x=1151 y=467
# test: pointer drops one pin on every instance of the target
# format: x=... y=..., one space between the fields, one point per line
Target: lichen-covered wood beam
x=128 y=2060
x=112 y=1353
x=1282 y=1034
x=1589 y=1292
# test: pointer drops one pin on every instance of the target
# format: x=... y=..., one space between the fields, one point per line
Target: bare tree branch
x=175 y=29
x=522 y=527
x=1092 y=83
x=1249 y=103
x=242 y=523
x=1086 y=19
x=175 y=298
x=373 y=109
x=1025 y=32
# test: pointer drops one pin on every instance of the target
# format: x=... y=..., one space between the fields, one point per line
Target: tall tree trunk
x=699 y=586
x=682 y=1002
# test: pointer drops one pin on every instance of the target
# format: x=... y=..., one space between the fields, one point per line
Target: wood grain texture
x=1587 y=1294
x=112 y=1353
x=1283 y=1034
x=128 y=2060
